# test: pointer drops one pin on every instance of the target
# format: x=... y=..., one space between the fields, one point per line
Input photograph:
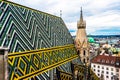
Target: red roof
x=107 y=60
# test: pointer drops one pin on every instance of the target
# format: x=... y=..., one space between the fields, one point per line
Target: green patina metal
x=91 y=40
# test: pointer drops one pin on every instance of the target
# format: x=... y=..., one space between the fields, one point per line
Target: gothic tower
x=81 y=41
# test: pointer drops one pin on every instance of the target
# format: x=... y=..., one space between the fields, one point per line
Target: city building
x=81 y=41
x=106 y=67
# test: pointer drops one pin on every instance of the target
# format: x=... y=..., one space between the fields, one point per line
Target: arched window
x=78 y=52
x=87 y=59
x=83 y=60
x=84 y=52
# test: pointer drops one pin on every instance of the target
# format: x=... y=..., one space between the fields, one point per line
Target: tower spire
x=81 y=15
x=81 y=23
x=61 y=13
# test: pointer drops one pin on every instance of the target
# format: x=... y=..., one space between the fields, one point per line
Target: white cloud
x=73 y=33
x=72 y=25
x=106 y=20
x=99 y=14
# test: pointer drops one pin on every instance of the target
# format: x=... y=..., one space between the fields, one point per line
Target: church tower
x=81 y=42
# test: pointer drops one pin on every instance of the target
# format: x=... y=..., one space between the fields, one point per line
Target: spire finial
x=81 y=16
x=61 y=13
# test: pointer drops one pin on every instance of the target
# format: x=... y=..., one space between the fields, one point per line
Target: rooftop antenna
x=60 y=13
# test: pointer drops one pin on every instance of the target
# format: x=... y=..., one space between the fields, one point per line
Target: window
x=103 y=60
x=117 y=70
x=107 y=68
x=117 y=75
x=102 y=67
x=84 y=60
x=111 y=69
x=78 y=52
x=107 y=77
x=84 y=53
x=94 y=69
x=98 y=60
x=87 y=59
x=107 y=73
x=98 y=74
x=107 y=61
x=112 y=62
x=98 y=66
x=98 y=70
x=111 y=78
x=111 y=73
x=102 y=71
x=94 y=65
x=117 y=63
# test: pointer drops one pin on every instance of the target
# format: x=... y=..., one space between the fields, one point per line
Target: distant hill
x=101 y=36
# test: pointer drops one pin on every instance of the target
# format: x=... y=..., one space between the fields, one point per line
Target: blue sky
x=102 y=16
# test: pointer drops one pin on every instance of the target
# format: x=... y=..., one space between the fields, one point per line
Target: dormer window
x=107 y=61
x=103 y=60
x=117 y=63
x=112 y=62
x=98 y=60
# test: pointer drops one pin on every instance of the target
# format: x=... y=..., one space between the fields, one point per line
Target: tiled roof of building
x=107 y=60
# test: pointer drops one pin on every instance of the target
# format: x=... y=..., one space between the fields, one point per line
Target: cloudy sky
x=102 y=16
